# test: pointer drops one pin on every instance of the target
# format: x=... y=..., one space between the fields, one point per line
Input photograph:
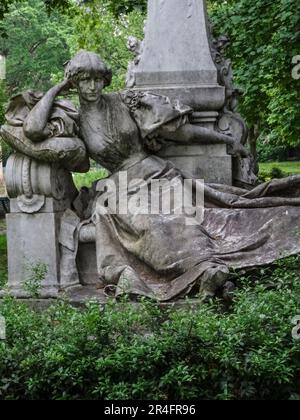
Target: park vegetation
x=239 y=349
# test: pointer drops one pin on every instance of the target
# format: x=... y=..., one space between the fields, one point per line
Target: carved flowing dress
x=159 y=255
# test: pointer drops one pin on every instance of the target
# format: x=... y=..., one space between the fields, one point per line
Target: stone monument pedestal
x=39 y=193
x=35 y=262
x=209 y=162
x=175 y=60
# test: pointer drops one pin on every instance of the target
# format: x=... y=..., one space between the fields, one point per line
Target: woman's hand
x=64 y=87
x=35 y=125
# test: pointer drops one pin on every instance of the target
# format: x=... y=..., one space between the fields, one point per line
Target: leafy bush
x=277 y=173
x=5 y=151
x=267 y=152
x=36 y=273
x=274 y=173
x=86 y=180
x=142 y=351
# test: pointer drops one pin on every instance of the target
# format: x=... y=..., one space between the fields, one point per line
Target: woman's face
x=90 y=87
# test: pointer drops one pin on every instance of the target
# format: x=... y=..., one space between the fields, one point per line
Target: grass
x=86 y=180
x=289 y=168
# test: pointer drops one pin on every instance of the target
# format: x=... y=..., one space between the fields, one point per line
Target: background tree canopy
x=265 y=37
x=36 y=45
x=38 y=36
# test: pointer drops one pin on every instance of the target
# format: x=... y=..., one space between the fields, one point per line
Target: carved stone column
x=39 y=193
x=176 y=61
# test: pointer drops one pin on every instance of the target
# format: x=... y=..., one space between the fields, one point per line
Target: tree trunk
x=252 y=139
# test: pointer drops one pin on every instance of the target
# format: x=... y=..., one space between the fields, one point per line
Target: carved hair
x=86 y=62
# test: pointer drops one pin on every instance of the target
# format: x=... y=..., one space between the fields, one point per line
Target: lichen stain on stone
x=162 y=3
x=190 y=9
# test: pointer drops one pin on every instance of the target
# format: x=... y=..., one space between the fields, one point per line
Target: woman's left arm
x=35 y=126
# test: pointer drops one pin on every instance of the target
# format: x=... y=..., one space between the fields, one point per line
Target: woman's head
x=89 y=74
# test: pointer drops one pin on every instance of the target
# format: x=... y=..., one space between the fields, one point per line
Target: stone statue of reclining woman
x=155 y=255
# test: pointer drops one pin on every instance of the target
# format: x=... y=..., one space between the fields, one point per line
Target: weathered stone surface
x=80 y=297
x=40 y=192
x=46 y=204
x=208 y=162
x=32 y=241
x=176 y=60
x=30 y=182
x=2 y=183
x=56 y=125
x=87 y=264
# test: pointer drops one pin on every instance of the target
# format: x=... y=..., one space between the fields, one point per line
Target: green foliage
x=277 y=173
x=265 y=36
x=290 y=168
x=268 y=171
x=4 y=7
x=274 y=173
x=62 y=5
x=3 y=101
x=141 y=351
x=5 y=151
x=118 y=7
x=49 y=4
x=97 y=29
x=268 y=153
x=86 y=180
x=35 y=46
x=36 y=273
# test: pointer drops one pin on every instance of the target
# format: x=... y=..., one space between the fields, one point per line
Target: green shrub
x=36 y=273
x=5 y=151
x=274 y=173
x=86 y=180
x=268 y=152
x=277 y=173
x=142 y=351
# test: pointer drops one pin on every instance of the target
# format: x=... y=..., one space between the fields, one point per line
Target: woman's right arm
x=191 y=134
x=35 y=125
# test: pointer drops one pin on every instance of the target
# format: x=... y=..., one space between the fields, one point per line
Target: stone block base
x=208 y=162
x=87 y=264
x=33 y=253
